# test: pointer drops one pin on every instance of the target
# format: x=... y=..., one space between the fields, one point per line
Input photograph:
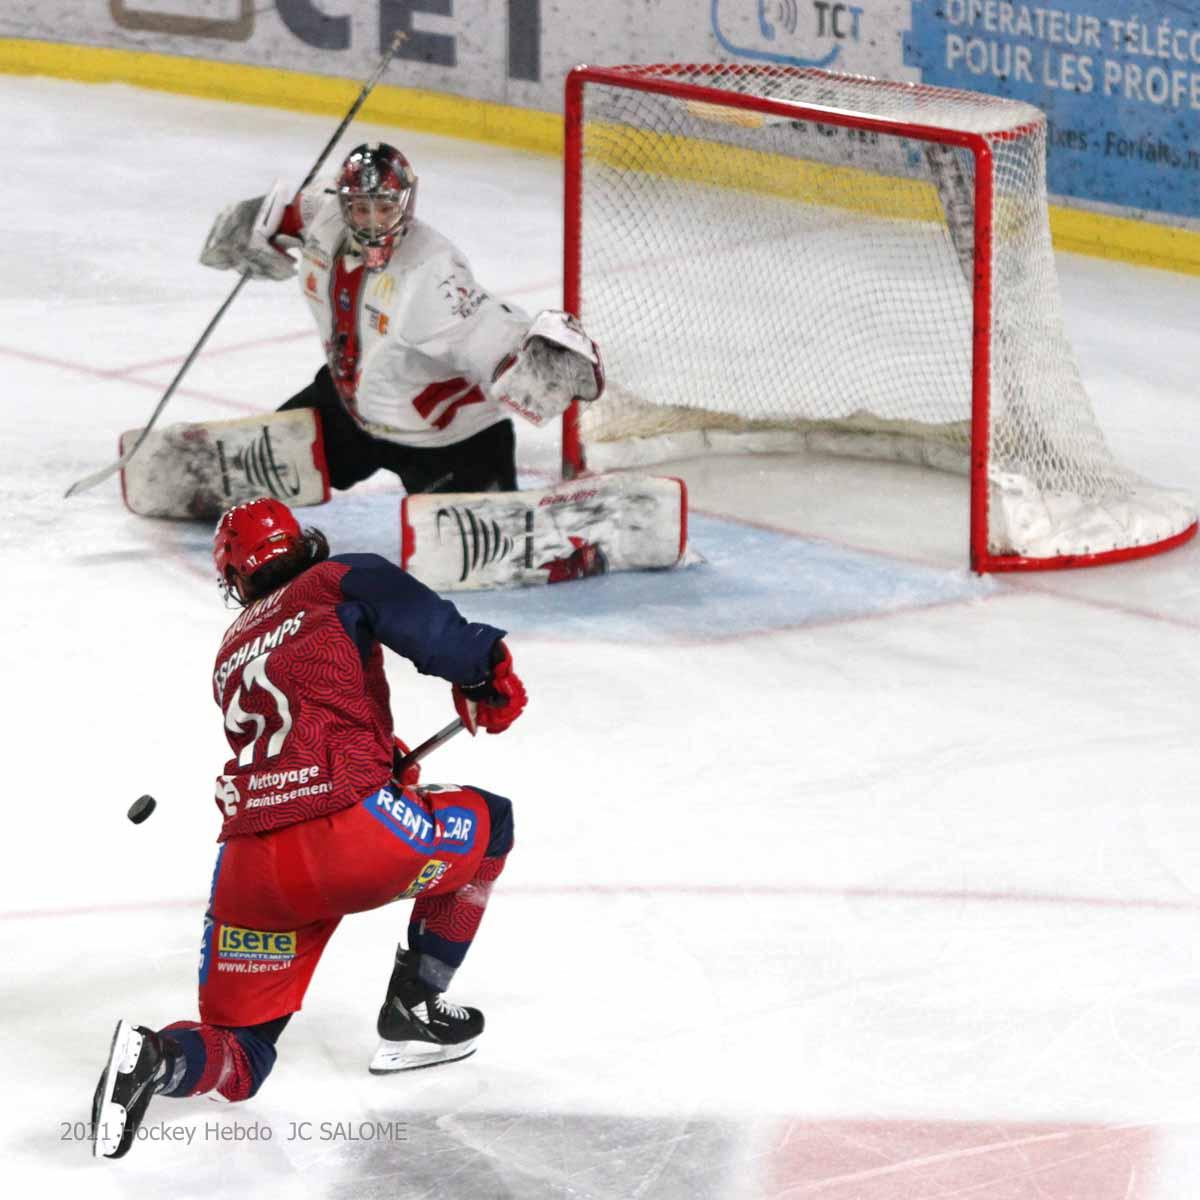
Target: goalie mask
x=377 y=191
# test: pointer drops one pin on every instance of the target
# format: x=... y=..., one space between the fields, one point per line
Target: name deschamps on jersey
x=256 y=646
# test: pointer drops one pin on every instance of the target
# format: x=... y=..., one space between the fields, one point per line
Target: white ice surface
x=858 y=878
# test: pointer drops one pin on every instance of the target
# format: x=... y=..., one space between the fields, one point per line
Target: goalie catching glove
x=555 y=364
x=494 y=703
x=243 y=238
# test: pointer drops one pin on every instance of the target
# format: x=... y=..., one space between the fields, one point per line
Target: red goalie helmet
x=247 y=537
x=377 y=191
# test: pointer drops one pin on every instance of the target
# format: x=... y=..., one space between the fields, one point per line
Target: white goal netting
x=811 y=274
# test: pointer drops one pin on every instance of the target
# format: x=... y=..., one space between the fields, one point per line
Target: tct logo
x=799 y=33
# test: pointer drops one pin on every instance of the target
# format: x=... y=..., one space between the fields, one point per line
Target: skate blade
x=109 y=1117
x=412 y=1056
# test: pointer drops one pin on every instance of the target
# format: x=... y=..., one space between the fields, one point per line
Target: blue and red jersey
x=300 y=679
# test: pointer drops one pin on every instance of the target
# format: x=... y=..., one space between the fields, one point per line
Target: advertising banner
x=1119 y=79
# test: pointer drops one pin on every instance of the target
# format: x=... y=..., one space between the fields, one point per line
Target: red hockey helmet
x=250 y=535
x=377 y=191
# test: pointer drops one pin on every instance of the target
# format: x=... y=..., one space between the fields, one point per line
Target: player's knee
x=500 y=839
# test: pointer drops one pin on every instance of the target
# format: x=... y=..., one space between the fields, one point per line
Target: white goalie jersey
x=414 y=346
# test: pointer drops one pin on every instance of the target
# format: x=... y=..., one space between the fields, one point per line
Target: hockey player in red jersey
x=424 y=367
x=315 y=826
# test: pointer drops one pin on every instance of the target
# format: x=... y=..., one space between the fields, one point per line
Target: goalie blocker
x=591 y=526
x=244 y=237
x=199 y=469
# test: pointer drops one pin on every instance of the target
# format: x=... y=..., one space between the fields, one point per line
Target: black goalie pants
x=484 y=462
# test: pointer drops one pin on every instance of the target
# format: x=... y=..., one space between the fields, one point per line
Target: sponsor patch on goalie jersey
x=431 y=872
x=464 y=302
x=378 y=320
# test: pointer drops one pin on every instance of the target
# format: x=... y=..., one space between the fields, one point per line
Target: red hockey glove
x=495 y=703
x=408 y=776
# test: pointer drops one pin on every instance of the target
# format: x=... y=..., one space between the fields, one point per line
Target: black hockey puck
x=141 y=808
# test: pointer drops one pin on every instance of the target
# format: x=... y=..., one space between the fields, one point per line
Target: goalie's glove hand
x=408 y=776
x=494 y=703
x=555 y=364
x=563 y=337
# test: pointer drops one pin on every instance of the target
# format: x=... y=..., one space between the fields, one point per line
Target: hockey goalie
x=424 y=371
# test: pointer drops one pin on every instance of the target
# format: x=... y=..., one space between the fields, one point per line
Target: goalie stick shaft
x=397 y=41
x=430 y=744
x=90 y=481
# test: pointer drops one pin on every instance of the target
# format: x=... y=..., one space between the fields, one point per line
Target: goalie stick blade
x=591 y=526
x=89 y=481
x=200 y=469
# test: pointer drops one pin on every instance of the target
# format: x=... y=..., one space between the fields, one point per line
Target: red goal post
x=724 y=222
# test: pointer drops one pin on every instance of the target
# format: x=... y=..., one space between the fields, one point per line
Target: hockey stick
x=90 y=481
x=428 y=746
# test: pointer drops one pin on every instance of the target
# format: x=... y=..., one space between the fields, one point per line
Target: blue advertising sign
x=1119 y=81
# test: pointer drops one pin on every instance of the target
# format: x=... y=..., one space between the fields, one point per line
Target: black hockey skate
x=139 y=1062
x=418 y=1027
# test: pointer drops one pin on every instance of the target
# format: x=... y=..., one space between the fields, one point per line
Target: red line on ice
x=709 y=891
x=118 y=375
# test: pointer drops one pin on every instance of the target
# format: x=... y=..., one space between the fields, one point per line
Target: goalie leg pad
x=200 y=469
x=466 y=541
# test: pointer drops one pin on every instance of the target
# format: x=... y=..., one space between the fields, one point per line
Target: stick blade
x=89 y=481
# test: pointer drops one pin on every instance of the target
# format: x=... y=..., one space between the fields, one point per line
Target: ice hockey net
x=771 y=256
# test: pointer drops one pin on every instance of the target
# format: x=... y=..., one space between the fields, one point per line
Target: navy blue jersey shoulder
x=384 y=603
